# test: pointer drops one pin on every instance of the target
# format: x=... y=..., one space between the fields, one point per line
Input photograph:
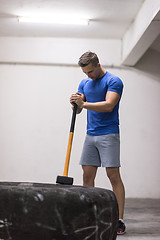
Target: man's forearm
x=98 y=106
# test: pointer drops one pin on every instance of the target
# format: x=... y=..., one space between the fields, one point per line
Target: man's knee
x=89 y=173
x=86 y=178
x=113 y=175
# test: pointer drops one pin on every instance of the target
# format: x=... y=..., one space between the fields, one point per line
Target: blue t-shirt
x=100 y=123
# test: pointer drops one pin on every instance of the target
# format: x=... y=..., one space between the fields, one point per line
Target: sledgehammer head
x=64 y=180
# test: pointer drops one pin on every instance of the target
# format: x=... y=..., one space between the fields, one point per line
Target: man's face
x=92 y=71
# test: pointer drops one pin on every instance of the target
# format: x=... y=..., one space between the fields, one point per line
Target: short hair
x=87 y=58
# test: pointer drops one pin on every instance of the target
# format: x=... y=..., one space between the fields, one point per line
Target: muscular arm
x=110 y=102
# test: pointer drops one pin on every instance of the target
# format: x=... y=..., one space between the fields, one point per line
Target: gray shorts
x=101 y=150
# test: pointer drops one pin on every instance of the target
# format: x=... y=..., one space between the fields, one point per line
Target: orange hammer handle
x=66 y=166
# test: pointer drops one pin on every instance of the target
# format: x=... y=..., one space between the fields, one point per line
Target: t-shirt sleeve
x=115 y=85
x=81 y=86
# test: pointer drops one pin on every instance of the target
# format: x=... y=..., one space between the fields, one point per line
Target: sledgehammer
x=65 y=179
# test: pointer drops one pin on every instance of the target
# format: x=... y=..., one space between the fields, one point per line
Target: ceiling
x=108 y=18
x=156 y=44
x=136 y=23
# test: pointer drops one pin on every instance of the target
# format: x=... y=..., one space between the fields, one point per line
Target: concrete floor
x=142 y=218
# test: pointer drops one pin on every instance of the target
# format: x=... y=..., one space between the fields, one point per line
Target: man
x=100 y=94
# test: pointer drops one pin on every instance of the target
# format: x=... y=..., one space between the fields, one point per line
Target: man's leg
x=89 y=174
x=118 y=188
